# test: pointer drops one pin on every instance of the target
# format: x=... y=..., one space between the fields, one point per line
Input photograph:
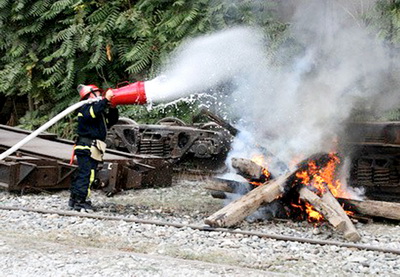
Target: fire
x=259 y=159
x=321 y=179
x=318 y=178
x=313 y=215
x=349 y=213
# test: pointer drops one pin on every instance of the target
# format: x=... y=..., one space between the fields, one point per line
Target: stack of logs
x=275 y=188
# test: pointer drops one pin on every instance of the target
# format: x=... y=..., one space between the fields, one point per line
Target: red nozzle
x=132 y=94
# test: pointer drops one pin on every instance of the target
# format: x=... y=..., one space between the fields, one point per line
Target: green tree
x=384 y=20
x=48 y=47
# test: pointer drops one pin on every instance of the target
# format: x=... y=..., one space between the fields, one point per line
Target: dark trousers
x=86 y=174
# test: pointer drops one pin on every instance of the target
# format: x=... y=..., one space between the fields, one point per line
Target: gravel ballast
x=36 y=244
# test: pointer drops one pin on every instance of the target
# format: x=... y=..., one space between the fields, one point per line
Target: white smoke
x=356 y=193
x=299 y=108
x=293 y=105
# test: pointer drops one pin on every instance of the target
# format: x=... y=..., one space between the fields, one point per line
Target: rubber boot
x=71 y=201
x=83 y=205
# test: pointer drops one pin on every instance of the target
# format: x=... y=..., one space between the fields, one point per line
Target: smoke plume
x=293 y=103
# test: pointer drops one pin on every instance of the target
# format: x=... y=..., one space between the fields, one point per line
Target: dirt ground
x=27 y=255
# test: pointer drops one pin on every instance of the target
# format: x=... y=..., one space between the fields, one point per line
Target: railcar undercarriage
x=375 y=158
x=197 y=146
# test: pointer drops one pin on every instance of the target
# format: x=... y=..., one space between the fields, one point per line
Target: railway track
x=205 y=228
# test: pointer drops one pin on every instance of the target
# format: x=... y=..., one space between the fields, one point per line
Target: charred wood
x=361 y=218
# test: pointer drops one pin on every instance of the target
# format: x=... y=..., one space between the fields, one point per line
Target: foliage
x=384 y=20
x=32 y=120
x=392 y=115
x=48 y=47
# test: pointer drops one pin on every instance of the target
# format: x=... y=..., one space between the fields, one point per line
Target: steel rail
x=206 y=228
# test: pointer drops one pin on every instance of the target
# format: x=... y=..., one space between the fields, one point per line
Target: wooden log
x=321 y=206
x=247 y=168
x=239 y=209
x=231 y=186
x=218 y=185
x=349 y=230
x=374 y=208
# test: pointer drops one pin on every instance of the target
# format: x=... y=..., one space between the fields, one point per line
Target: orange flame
x=313 y=215
x=259 y=160
x=321 y=180
x=324 y=178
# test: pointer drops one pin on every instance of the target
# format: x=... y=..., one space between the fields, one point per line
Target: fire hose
x=45 y=126
x=130 y=94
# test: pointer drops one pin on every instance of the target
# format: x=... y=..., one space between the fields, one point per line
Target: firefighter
x=93 y=121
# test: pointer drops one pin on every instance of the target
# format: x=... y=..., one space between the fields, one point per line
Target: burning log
x=247 y=168
x=321 y=206
x=349 y=230
x=332 y=211
x=374 y=208
x=239 y=209
x=316 y=171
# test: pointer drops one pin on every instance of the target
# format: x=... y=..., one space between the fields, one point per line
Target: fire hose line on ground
x=206 y=228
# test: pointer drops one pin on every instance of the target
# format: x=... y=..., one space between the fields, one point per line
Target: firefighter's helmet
x=87 y=91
